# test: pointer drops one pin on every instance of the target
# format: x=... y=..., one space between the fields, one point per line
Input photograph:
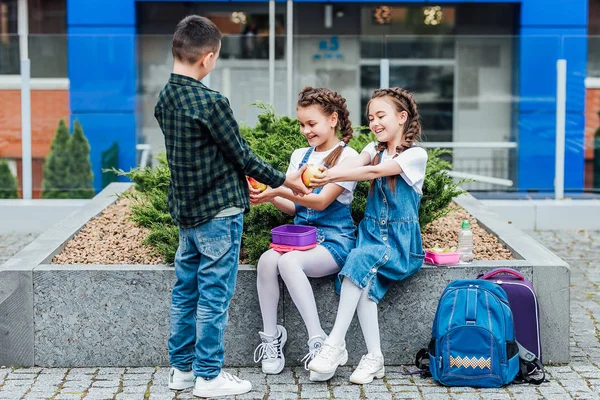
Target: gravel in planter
x=112 y=238
x=109 y=238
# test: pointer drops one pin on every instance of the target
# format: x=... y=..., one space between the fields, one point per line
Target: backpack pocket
x=471 y=355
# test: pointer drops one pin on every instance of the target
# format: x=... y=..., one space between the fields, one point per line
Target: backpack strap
x=531 y=369
x=422 y=361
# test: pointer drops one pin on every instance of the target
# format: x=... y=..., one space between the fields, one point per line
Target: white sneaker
x=180 y=380
x=369 y=367
x=329 y=358
x=314 y=346
x=270 y=351
x=224 y=384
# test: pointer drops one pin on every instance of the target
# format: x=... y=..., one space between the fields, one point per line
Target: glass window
x=433 y=88
x=245 y=26
x=594 y=39
x=412 y=20
x=410 y=32
x=47 y=38
x=9 y=41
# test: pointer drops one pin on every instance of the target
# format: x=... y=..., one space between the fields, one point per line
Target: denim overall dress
x=389 y=246
x=335 y=228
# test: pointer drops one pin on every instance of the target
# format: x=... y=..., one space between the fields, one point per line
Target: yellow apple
x=309 y=173
x=256 y=184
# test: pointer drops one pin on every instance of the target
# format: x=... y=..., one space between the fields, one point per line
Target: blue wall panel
x=539 y=49
x=102 y=75
x=100 y=12
x=537 y=151
x=554 y=13
x=102 y=69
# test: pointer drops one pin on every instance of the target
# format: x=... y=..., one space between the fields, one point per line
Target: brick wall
x=47 y=108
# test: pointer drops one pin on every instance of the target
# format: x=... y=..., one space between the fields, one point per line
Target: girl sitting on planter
x=389 y=244
x=322 y=113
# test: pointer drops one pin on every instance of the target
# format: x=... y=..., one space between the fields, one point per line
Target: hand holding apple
x=266 y=196
x=294 y=182
x=320 y=178
x=310 y=172
x=256 y=184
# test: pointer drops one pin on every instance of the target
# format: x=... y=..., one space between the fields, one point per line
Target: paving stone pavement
x=12 y=243
x=580 y=379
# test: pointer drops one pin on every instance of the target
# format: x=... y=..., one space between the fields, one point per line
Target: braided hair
x=329 y=102
x=402 y=100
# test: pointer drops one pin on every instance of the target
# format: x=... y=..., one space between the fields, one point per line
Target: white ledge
x=13 y=82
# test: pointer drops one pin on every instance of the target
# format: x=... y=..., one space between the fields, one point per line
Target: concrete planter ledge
x=549 y=214
x=118 y=315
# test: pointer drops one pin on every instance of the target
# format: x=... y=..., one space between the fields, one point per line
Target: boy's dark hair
x=194 y=37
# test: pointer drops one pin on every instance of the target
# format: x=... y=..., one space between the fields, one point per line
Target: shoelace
x=327 y=351
x=310 y=356
x=266 y=350
x=232 y=378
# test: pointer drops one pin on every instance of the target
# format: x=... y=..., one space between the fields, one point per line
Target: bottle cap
x=466 y=224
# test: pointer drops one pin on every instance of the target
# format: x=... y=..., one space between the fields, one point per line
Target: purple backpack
x=523 y=304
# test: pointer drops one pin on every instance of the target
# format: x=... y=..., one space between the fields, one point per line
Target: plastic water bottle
x=465 y=242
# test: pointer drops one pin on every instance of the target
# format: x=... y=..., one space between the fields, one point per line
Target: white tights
x=354 y=299
x=295 y=268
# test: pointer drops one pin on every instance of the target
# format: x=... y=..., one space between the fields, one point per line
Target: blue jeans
x=206 y=265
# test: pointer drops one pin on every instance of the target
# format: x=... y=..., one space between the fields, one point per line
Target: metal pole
x=384 y=73
x=289 y=51
x=272 y=52
x=25 y=100
x=561 y=104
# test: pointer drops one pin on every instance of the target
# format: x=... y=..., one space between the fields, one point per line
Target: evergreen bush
x=274 y=139
x=67 y=171
x=80 y=174
x=55 y=183
x=8 y=183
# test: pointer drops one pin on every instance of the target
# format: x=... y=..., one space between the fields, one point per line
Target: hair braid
x=329 y=102
x=402 y=100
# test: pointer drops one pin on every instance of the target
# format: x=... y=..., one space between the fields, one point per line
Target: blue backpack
x=473 y=336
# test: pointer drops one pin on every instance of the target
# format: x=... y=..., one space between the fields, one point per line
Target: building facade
x=483 y=72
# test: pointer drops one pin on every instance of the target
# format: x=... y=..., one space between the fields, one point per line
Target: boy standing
x=208 y=194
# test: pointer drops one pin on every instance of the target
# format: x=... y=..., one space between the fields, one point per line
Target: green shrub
x=55 y=183
x=149 y=208
x=438 y=188
x=273 y=139
x=8 y=183
x=80 y=174
x=68 y=171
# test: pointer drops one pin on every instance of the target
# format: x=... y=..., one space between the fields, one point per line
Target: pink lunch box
x=442 y=258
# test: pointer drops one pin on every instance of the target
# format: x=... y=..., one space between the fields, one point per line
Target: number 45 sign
x=329 y=50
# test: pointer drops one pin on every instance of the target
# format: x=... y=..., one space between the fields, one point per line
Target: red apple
x=256 y=184
x=309 y=173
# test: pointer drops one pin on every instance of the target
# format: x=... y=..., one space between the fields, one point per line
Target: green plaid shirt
x=208 y=158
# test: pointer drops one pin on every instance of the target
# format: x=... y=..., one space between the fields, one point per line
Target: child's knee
x=267 y=263
x=288 y=264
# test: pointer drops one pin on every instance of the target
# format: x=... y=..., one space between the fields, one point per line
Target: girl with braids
x=389 y=245
x=323 y=116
